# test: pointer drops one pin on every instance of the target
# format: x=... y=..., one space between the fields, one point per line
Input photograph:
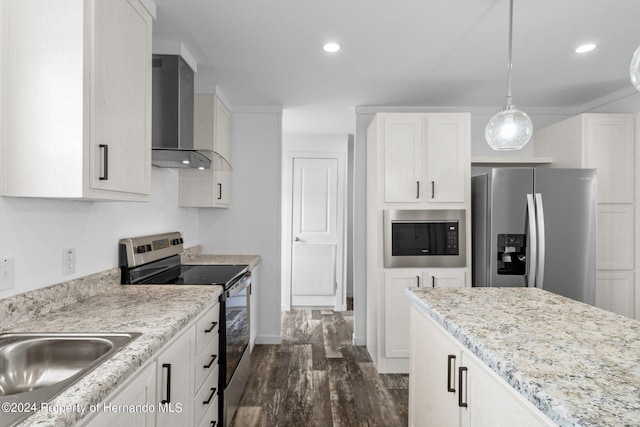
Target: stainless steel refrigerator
x=535 y=227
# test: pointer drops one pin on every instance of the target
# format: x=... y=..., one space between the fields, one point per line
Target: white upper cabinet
x=77 y=99
x=424 y=158
x=402 y=159
x=212 y=132
x=446 y=160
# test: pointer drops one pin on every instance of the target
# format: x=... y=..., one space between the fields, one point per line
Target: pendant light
x=510 y=129
x=634 y=69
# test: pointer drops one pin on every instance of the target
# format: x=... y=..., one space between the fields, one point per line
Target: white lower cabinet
x=448 y=386
x=174 y=375
x=141 y=392
x=180 y=384
x=396 y=304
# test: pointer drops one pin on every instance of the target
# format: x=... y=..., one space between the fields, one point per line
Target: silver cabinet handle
x=417 y=189
x=105 y=162
x=433 y=189
x=418 y=279
x=219 y=191
x=296 y=239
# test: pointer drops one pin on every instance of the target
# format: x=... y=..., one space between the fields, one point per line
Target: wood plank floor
x=317 y=378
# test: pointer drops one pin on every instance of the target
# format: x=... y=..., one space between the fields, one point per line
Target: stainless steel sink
x=34 y=367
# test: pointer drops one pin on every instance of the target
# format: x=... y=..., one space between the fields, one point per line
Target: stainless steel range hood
x=172 y=118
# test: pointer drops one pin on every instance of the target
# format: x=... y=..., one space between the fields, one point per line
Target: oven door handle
x=240 y=286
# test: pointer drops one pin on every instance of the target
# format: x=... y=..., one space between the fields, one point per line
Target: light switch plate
x=6 y=273
x=68 y=261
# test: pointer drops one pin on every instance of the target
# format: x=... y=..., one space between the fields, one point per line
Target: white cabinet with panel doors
x=180 y=383
x=212 y=132
x=424 y=158
x=605 y=142
x=77 y=107
x=395 y=329
x=415 y=161
x=449 y=386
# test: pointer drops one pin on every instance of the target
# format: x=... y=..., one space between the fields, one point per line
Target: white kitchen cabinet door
x=82 y=129
x=615 y=237
x=403 y=140
x=446 y=159
x=493 y=403
x=396 y=310
x=433 y=377
x=212 y=132
x=174 y=381
x=609 y=144
x=121 y=111
x=445 y=278
x=614 y=292
x=141 y=391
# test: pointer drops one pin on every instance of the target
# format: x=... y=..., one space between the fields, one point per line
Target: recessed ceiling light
x=331 y=47
x=585 y=48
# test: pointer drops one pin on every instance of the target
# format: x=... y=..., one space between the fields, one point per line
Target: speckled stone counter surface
x=159 y=312
x=578 y=364
x=250 y=260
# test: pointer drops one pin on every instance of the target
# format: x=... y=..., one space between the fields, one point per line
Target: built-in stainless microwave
x=424 y=238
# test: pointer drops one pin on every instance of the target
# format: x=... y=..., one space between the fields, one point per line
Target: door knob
x=296 y=239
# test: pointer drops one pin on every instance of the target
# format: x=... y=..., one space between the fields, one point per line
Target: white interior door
x=315 y=232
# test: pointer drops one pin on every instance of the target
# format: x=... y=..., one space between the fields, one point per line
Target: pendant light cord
x=509 y=64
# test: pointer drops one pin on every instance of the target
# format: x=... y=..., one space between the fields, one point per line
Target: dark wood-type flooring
x=318 y=378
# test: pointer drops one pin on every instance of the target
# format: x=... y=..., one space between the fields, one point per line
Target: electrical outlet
x=6 y=273
x=68 y=261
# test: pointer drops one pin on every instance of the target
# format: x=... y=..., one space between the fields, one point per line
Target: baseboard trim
x=269 y=339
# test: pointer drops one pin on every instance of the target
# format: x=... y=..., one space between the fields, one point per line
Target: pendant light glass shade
x=511 y=128
x=634 y=69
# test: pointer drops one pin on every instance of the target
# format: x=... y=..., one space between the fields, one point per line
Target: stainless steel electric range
x=155 y=259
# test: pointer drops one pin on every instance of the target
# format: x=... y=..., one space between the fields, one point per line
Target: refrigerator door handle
x=533 y=242
x=541 y=239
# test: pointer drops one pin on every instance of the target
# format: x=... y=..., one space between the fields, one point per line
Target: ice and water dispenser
x=512 y=259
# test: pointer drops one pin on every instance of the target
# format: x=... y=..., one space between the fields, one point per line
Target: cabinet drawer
x=210 y=418
x=200 y=405
x=204 y=359
x=207 y=328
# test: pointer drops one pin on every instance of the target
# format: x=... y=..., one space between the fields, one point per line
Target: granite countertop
x=159 y=312
x=250 y=260
x=578 y=364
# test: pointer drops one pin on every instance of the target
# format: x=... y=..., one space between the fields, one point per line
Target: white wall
x=251 y=225
x=34 y=231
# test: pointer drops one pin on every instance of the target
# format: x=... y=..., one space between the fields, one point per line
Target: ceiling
x=401 y=53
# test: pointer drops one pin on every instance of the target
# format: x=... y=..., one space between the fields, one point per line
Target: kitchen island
x=577 y=364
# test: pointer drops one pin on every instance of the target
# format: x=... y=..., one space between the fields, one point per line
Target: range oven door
x=236 y=303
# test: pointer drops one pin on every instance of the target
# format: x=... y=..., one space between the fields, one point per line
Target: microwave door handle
x=533 y=241
x=541 y=241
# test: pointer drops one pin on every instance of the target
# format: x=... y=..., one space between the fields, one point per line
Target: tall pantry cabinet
x=605 y=142
x=415 y=161
x=75 y=81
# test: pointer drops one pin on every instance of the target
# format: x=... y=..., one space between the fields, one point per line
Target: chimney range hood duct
x=172 y=118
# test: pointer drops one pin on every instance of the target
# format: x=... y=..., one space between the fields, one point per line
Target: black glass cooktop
x=224 y=275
